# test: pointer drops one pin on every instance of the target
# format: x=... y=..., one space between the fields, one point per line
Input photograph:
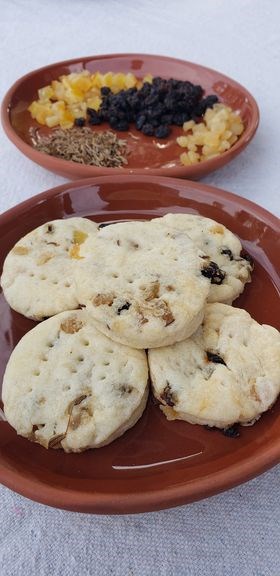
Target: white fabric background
x=235 y=533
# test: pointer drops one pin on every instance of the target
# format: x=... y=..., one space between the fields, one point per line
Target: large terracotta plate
x=147 y=155
x=156 y=464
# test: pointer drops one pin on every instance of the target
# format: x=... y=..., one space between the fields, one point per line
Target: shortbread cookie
x=37 y=277
x=227 y=372
x=143 y=283
x=228 y=267
x=68 y=386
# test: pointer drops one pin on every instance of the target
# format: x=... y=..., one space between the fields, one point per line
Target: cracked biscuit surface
x=223 y=249
x=142 y=283
x=68 y=386
x=227 y=372
x=37 y=278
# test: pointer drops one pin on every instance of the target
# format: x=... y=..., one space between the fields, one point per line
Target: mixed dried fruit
x=152 y=105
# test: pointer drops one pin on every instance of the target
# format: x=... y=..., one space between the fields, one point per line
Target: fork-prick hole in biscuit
x=106 y=363
x=43 y=277
x=126 y=389
x=67 y=285
x=115 y=275
x=80 y=358
x=85 y=342
x=36 y=373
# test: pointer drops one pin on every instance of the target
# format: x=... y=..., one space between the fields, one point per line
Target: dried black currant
x=215 y=358
x=247 y=257
x=228 y=252
x=125 y=306
x=213 y=272
x=79 y=122
x=232 y=431
x=162 y=131
x=147 y=129
x=168 y=396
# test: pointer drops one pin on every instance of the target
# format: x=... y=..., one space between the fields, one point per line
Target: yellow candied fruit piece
x=82 y=84
x=74 y=252
x=40 y=111
x=118 y=82
x=130 y=80
x=224 y=145
x=45 y=93
x=148 y=78
x=78 y=110
x=184 y=159
x=199 y=128
x=193 y=156
x=58 y=89
x=232 y=139
x=97 y=80
x=188 y=158
x=183 y=141
x=94 y=102
x=107 y=79
x=67 y=120
x=79 y=236
x=211 y=139
x=188 y=125
x=52 y=121
x=237 y=128
x=20 y=250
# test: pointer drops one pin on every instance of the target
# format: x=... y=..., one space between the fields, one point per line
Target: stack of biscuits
x=123 y=303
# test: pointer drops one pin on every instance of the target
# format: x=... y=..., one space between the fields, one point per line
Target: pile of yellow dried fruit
x=68 y=98
x=218 y=131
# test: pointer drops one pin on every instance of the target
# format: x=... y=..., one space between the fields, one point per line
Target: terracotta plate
x=158 y=463
x=158 y=157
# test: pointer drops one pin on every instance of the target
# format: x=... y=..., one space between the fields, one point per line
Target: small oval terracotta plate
x=146 y=154
x=156 y=464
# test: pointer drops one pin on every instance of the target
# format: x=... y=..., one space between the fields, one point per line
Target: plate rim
x=179 y=171
x=134 y=502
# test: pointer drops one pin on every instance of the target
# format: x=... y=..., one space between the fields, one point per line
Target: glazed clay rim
x=59 y=165
x=267 y=456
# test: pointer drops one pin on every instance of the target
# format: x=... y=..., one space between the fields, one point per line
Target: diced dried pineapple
x=45 y=93
x=219 y=130
x=94 y=102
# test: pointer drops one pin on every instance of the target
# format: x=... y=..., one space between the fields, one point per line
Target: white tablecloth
x=235 y=533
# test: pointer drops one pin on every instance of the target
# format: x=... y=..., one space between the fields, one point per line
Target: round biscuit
x=68 y=386
x=142 y=283
x=227 y=372
x=37 y=278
